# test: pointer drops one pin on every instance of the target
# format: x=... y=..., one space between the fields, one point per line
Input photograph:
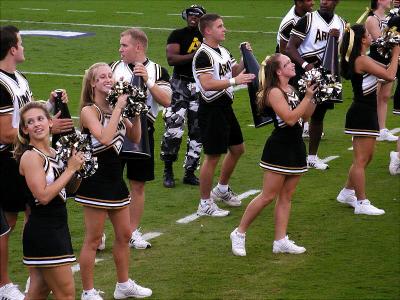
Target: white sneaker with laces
x=348 y=198
x=366 y=208
x=287 y=246
x=238 y=243
x=211 y=209
x=137 y=241
x=229 y=198
x=316 y=163
x=134 y=290
x=92 y=295
x=102 y=244
x=386 y=135
x=394 y=165
x=10 y=291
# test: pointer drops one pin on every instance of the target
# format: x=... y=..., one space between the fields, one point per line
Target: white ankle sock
x=223 y=187
x=312 y=157
x=205 y=201
x=348 y=191
x=123 y=285
x=360 y=201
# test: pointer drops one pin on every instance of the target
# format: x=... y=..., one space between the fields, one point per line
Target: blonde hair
x=137 y=35
x=87 y=93
x=268 y=79
x=22 y=140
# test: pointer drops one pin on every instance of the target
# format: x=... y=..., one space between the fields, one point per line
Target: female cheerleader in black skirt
x=47 y=244
x=284 y=155
x=105 y=193
x=362 y=118
x=375 y=24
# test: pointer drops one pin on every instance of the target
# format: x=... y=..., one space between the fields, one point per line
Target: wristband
x=304 y=65
x=232 y=82
x=150 y=83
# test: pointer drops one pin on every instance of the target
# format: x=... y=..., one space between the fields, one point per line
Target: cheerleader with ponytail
x=47 y=244
x=362 y=118
x=284 y=155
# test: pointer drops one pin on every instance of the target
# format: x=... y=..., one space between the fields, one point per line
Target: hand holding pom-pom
x=327 y=85
x=136 y=102
x=77 y=142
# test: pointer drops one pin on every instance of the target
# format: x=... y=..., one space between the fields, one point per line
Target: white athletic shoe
x=394 y=165
x=238 y=243
x=316 y=163
x=211 y=210
x=102 y=244
x=229 y=198
x=134 y=290
x=347 y=198
x=287 y=246
x=92 y=295
x=137 y=241
x=386 y=135
x=10 y=291
x=366 y=208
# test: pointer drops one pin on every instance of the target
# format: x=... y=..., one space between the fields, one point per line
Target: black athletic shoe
x=190 y=178
x=169 y=181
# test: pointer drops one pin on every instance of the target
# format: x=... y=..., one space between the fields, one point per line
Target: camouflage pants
x=184 y=106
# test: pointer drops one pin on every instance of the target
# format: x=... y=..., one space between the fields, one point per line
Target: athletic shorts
x=219 y=128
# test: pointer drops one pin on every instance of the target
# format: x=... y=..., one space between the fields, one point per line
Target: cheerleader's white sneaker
x=366 y=208
x=394 y=165
x=11 y=291
x=386 y=135
x=92 y=295
x=347 y=197
x=287 y=246
x=238 y=243
x=133 y=290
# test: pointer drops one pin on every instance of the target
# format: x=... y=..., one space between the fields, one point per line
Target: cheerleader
x=284 y=155
x=375 y=24
x=47 y=244
x=105 y=193
x=362 y=118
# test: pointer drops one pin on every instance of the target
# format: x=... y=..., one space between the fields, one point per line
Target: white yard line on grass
x=120 y=26
x=129 y=12
x=76 y=268
x=80 y=11
x=194 y=216
x=51 y=74
x=329 y=158
x=28 y=8
x=395 y=130
x=151 y=235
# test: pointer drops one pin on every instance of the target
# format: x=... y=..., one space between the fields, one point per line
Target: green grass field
x=348 y=256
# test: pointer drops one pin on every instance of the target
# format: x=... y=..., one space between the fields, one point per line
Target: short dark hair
x=206 y=21
x=8 y=39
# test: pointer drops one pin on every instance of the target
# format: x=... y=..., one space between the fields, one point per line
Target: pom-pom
x=136 y=102
x=389 y=39
x=328 y=85
x=79 y=142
